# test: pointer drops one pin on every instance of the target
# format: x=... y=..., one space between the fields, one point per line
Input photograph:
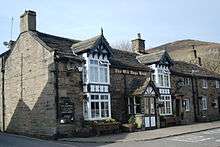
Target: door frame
x=150 y=115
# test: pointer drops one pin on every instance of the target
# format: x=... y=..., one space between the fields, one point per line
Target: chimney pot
x=139 y=35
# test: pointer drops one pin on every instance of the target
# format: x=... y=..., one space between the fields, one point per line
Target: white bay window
x=163 y=78
x=98 y=71
x=97 y=107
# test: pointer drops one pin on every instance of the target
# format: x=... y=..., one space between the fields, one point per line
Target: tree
x=209 y=59
x=123 y=45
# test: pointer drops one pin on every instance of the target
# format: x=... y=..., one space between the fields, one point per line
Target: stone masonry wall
x=122 y=84
x=186 y=117
x=70 y=85
x=212 y=93
x=29 y=89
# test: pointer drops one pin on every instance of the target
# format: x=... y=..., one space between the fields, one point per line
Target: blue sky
x=159 y=21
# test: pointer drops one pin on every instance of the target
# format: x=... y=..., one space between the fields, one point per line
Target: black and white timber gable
x=160 y=62
x=96 y=76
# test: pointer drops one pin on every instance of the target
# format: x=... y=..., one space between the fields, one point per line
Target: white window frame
x=204 y=103
x=164 y=101
x=133 y=106
x=98 y=66
x=204 y=83
x=101 y=59
x=186 y=81
x=162 y=75
x=129 y=105
x=187 y=104
x=88 y=116
x=217 y=83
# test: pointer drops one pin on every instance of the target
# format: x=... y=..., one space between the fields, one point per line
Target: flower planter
x=112 y=127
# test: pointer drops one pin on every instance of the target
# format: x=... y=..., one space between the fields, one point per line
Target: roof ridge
x=125 y=51
x=60 y=37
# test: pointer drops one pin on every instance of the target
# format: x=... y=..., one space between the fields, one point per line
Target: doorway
x=219 y=104
x=150 y=118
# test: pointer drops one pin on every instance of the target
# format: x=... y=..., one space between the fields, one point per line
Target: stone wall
x=185 y=91
x=29 y=89
x=123 y=82
x=212 y=113
x=70 y=86
x=182 y=93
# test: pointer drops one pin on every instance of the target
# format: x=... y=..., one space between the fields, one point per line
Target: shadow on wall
x=39 y=121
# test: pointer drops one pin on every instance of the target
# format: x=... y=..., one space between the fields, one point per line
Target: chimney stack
x=138 y=45
x=28 y=21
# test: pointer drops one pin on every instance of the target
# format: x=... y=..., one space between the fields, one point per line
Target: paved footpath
x=148 y=135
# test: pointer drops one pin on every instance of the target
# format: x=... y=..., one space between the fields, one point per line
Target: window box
x=106 y=127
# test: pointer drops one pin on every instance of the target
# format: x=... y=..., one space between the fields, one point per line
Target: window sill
x=96 y=119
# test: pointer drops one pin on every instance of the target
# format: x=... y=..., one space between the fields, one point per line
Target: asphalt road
x=210 y=138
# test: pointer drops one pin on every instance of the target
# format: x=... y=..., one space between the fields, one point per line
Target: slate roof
x=126 y=60
x=55 y=42
x=85 y=45
x=142 y=88
x=184 y=68
x=151 y=58
x=60 y=44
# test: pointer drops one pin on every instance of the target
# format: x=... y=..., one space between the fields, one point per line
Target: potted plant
x=130 y=126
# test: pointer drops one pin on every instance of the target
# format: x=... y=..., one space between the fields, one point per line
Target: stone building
x=196 y=93
x=51 y=85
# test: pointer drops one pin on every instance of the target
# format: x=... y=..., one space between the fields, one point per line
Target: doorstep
x=147 y=135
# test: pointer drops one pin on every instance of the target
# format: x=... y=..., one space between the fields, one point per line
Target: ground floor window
x=166 y=102
x=134 y=105
x=97 y=106
x=204 y=103
x=186 y=104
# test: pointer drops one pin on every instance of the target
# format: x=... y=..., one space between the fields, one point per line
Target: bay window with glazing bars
x=97 y=107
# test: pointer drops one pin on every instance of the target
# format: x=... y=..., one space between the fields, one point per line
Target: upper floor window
x=153 y=78
x=186 y=81
x=204 y=83
x=98 y=71
x=217 y=83
x=163 y=78
x=166 y=80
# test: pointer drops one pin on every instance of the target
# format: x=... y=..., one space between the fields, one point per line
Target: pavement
x=208 y=138
x=147 y=135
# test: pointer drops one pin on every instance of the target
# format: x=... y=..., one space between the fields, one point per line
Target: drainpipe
x=125 y=91
x=194 y=100
x=56 y=74
x=197 y=95
x=3 y=95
